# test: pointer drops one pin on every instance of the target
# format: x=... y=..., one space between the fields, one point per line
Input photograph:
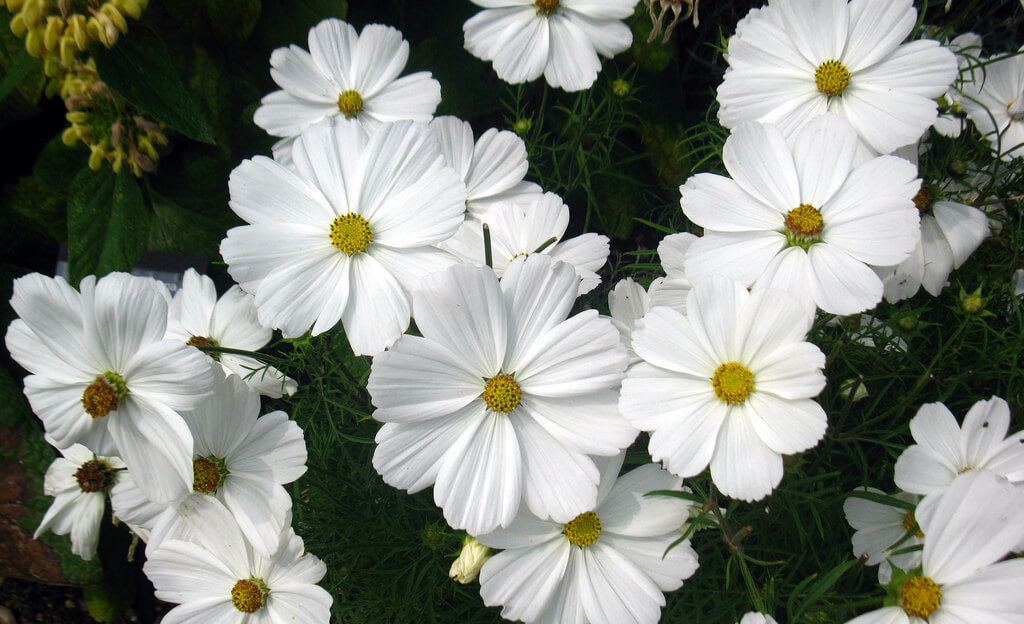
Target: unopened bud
x=80 y=31
x=68 y=50
x=908 y=322
x=66 y=7
x=471 y=558
x=14 y=6
x=34 y=42
x=115 y=16
x=853 y=390
x=117 y=133
x=621 y=88
x=522 y=125
x=51 y=66
x=957 y=168
x=96 y=157
x=54 y=29
x=70 y=136
x=32 y=12
x=77 y=117
x=130 y=8
x=18 y=26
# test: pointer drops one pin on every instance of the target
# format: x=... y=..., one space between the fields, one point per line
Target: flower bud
x=853 y=390
x=522 y=125
x=621 y=88
x=466 y=568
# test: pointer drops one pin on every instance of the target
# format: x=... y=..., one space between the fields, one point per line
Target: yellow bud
x=68 y=47
x=15 y=5
x=471 y=558
x=130 y=8
x=96 y=32
x=96 y=157
x=143 y=4
x=54 y=29
x=148 y=148
x=18 y=26
x=117 y=133
x=66 y=7
x=158 y=137
x=34 y=42
x=136 y=169
x=32 y=12
x=51 y=66
x=115 y=16
x=77 y=117
x=80 y=31
x=69 y=136
x=118 y=163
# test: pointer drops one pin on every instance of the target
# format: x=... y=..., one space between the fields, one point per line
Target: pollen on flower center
x=910 y=521
x=350 y=103
x=94 y=476
x=733 y=383
x=583 y=530
x=104 y=395
x=248 y=595
x=805 y=220
x=502 y=393
x=924 y=200
x=920 y=597
x=832 y=77
x=351 y=234
x=209 y=472
x=546 y=7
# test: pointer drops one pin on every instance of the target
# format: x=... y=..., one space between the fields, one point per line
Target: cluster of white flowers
x=514 y=410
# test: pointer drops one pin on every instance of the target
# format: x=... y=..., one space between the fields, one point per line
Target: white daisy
x=79 y=483
x=881 y=529
x=944 y=449
x=729 y=385
x=609 y=565
x=969 y=529
x=492 y=168
x=103 y=376
x=345 y=74
x=798 y=215
x=241 y=458
x=757 y=618
x=537 y=225
x=967 y=47
x=674 y=289
x=558 y=38
x=995 y=104
x=218 y=577
x=795 y=59
x=503 y=398
x=199 y=318
x=346 y=234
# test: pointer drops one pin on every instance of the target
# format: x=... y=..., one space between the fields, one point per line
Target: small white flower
x=79 y=481
x=492 y=168
x=793 y=60
x=503 y=399
x=967 y=48
x=969 y=529
x=218 y=577
x=1018 y=282
x=757 y=618
x=798 y=214
x=522 y=229
x=944 y=449
x=347 y=232
x=558 y=38
x=996 y=105
x=471 y=558
x=878 y=530
x=345 y=74
x=609 y=565
x=729 y=385
x=199 y=318
x=103 y=376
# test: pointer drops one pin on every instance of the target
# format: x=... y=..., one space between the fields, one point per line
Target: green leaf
x=22 y=67
x=180 y=230
x=285 y=21
x=233 y=20
x=140 y=69
x=108 y=223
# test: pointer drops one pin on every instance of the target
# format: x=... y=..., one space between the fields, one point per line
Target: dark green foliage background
x=201 y=67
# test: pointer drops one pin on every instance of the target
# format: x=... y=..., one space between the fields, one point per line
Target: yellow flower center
x=208 y=471
x=583 y=530
x=104 y=395
x=920 y=597
x=910 y=521
x=248 y=595
x=832 y=77
x=351 y=234
x=94 y=476
x=546 y=7
x=803 y=226
x=924 y=200
x=502 y=393
x=733 y=383
x=350 y=103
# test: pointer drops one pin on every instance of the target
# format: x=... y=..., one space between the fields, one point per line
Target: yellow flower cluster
x=57 y=30
x=101 y=120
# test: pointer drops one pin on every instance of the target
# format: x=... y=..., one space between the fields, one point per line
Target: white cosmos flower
x=241 y=458
x=522 y=229
x=608 y=565
x=79 y=483
x=492 y=168
x=503 y=398
x=218 y=577
x=757 y=618
x=558 y=38
x=198 y=317
x=967 y=47
x=345 y=234
x=969 y=529
x=795 y=59
x=103 y=376
x=944 y=449
x=729 y=385
x=800 y=215
x=674 y=289
x=348 y=75
x=879 y=528
x=996 y=105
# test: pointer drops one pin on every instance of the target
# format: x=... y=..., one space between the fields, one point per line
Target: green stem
x=752 y=589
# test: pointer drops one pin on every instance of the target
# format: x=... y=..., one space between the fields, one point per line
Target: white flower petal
x=524 y=580
x=617 y=592
x=628 y=511
x=378 y=311
x=841 y=284
x=718 y=203
x=786 y=426
x=759 y=160
x=667 y=568
x=572 y=61
x=743 y=466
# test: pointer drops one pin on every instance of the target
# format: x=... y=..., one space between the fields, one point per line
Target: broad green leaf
x=18 y=71
x=233 y=20
x=140 y=68
x=108 y=223
x=284 y=22
x=179 y=230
